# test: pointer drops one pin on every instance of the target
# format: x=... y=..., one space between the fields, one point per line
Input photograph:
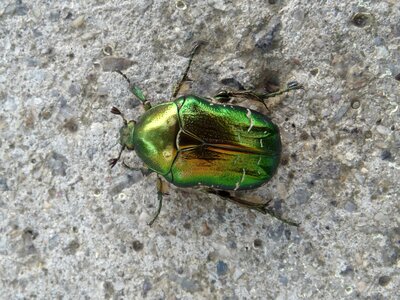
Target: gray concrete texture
x=72 y=228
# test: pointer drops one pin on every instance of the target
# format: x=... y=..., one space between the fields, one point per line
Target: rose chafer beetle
x=191 y=141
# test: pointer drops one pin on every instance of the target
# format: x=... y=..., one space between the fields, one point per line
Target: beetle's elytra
x=192 y=141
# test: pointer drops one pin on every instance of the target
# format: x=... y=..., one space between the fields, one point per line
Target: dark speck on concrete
x=28 y=247
x=137 y=245
x=302 y=196
x=221 y=216
x=74 y=90
x=72 y=247
x=257 y=243
x=347 y=271
x=276 y=234
x=108 y=290
x=350 y=206
x=222 y=268
x=3 y=185
x=384 y=280
x=386 y=155
x=308 y=248
x=390 y=254
x=57 y=163
x=266 y=42
x=232 y=244
x=147 y=286
x=288 y=234
x=283 y=279
x=54 y=16
x=71 y=125
x=21 y=9
x=189 y=285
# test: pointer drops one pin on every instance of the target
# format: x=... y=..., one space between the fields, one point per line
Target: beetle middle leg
x=160 y=192
x=260 y=207
x=136 y=91
x=143 y=170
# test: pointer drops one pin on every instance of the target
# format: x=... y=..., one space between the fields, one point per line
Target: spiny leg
x=159 y=198
x=261 y=207
x=290 y=86
x=225 y=96
x=272 y=213
x=178 y=86
x=143 y=170
x=136 y=91
x=113 y=161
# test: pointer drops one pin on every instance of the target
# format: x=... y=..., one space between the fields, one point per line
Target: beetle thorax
x=155 y=137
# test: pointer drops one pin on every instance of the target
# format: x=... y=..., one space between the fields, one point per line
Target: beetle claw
x=112 y=162
x=115 y=111
x=294 y=85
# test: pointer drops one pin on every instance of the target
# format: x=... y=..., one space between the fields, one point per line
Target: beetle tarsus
x=123 y=75
x=112 y=162
x=294 y=85
x=115 y=111
x=291 y=86
x=272 y=213
x=136 y=91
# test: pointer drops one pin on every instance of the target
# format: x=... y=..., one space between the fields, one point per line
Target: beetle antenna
x=113 y=161
x=116 y=111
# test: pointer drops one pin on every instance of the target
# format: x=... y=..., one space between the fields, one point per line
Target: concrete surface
x=71 y=228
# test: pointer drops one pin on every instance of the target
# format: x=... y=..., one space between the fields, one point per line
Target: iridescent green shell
x=192 y=141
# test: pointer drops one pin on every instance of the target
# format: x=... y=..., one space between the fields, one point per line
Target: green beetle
x=192 y=141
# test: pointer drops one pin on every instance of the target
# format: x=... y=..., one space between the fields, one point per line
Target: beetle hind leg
x=225 y=96
x=260 y=207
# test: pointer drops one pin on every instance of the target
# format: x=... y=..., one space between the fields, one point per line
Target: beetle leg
x=290 y=86
x=144 y=171
x=113 y=161
x=136 y=91
x=261 y=207
x=184 y=78
x=159 y=198
x=225 y=96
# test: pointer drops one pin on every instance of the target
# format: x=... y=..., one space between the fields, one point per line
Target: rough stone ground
x=71 y=228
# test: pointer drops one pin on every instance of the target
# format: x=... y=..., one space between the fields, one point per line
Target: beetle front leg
x=184 y=78
x=261 y=207
x=136 y=91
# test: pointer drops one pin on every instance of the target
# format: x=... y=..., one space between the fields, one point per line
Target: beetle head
x=125 y=133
